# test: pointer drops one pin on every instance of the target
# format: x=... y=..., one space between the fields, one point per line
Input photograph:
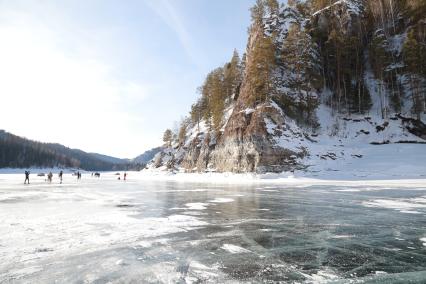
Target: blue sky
x=110 y=76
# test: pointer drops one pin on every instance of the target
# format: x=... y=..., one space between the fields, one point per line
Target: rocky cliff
x=318 y=83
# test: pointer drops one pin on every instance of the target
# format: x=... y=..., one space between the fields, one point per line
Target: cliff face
x=352 y=88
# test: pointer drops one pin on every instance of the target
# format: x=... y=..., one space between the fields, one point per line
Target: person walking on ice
x=27 y=177
x=60 y=176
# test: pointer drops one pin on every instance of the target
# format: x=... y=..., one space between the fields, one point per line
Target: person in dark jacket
x=27 y=177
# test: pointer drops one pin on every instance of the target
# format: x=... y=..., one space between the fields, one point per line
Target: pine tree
x=258 y=12
x=416 y=9
x=380 y=59
x=259 y=72
x=413 y=53
x=218 y=95
x=301 y=64
x=317 y=5
x=343 y=61
x=167 y=137
x=232 y=75
x=182 y=131
x=214 y=95
x=272 y=7
x=196 y=113
x=219 y=88
x=359 y=100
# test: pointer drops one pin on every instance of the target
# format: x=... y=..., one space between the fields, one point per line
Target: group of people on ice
x=124 y=177
x=60 y=175
x=49 y=176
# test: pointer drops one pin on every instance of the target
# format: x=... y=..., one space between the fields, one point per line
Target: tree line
x=332 y=52
x=18 y=152
x=219 y=89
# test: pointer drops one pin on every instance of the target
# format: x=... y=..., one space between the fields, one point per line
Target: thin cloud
x=170 y=15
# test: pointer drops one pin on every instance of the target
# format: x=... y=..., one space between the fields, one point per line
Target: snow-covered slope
x=147 y=156
x=322 y=115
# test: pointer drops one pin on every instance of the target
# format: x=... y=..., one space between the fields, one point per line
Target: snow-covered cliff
x=340 y=80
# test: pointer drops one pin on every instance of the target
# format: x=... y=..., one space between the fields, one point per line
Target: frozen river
x=109 y=231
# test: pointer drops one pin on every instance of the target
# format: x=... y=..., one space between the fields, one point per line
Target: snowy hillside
x=320 y=87
x=147 y=156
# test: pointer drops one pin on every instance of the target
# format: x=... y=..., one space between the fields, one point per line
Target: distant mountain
x=110 y=159
x=147 y=155
x=19 y=152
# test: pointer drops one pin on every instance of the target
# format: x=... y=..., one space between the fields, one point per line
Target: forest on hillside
x=304 y=53
x=18 y=152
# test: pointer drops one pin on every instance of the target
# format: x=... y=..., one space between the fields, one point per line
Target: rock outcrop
x=273 y=135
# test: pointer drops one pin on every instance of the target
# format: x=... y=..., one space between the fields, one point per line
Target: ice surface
x=196 y=206
x=222 y=200
x=235 y=249
x=402 y=205
x=164 y=231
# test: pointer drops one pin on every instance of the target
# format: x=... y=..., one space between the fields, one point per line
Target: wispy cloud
x=171 y=16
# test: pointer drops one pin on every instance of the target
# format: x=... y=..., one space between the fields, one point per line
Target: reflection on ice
x=235 y=249
x=221 y=200
x=101 y=230
x=402 y=205
x=196 y=206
